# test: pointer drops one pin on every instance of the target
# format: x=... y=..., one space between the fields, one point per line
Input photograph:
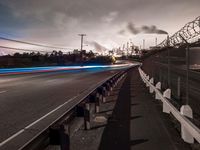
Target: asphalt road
x=25 y=98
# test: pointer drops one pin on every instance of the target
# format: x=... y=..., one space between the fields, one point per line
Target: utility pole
x=82 y=35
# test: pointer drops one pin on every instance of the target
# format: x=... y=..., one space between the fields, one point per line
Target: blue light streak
x=59 y=68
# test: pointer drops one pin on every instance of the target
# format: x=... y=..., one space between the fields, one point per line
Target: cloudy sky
x=57 y=22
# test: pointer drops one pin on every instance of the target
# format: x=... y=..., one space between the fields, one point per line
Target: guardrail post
x=97 y=103
x=87 y=116
x=107 y=89
x=152 y=82
x=158 y=86
x=114 y=81
x=104 y=94
x=64 y=137
x=111 y=84
x=59 y=135
x=166 y=94
x=185 y=134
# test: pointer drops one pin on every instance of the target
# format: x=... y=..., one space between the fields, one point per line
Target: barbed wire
x=190 y=32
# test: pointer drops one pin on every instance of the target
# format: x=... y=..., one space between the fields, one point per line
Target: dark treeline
x=52 y=59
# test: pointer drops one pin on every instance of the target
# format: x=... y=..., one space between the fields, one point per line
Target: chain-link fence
x=169 y=67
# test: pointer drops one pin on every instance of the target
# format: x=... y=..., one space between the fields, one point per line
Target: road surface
x=25 y=98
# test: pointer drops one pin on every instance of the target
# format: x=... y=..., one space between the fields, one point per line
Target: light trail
x=58 y=68
x=2 y=92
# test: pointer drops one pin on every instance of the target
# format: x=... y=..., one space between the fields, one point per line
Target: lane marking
x=30 y=125
x=2 y=92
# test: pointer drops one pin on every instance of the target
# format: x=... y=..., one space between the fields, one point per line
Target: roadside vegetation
x=52 y=59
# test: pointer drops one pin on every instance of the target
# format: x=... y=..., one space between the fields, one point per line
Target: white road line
x=2 y=92
x=30 y=125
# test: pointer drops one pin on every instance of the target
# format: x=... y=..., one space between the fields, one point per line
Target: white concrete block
x=185 y=134
x=167 y=93
x=166 y=108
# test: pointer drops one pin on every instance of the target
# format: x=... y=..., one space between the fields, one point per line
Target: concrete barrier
x=189 y=131
x=186 y=136
x=158 y=86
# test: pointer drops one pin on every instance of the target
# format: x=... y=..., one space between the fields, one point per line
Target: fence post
x=179 y=87
x=186 y=136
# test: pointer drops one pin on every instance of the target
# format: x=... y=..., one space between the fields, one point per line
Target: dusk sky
x=57 y=22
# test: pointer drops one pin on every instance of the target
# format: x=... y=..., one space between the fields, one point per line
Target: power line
x=25 y=50
x=33 y=44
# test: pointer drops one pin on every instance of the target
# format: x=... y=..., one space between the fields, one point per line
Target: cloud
x=110 y=17
x=57 y=22
x=122 y=32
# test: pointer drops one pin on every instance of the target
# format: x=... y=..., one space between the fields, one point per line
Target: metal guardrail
x=189 y=131
x=39 y=134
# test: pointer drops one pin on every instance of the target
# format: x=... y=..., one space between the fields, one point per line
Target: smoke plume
x=98 y=47
x=152 y=30
x=131 y=27
x=145 y=29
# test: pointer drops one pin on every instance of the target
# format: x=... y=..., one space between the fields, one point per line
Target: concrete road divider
x=189 y=131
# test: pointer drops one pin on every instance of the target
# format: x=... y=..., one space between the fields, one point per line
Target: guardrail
x=189 y=131
x=54 y=127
